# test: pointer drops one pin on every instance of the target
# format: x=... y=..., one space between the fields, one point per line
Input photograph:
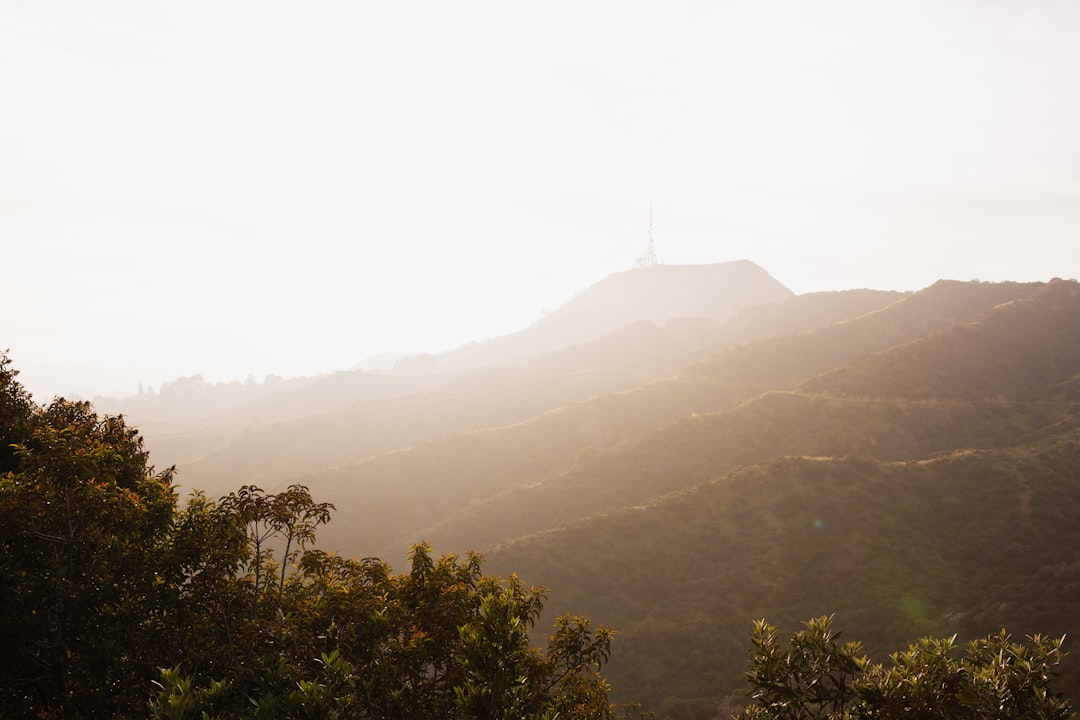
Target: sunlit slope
x=189 y=419
x=268 y=441
x=697 y=449
x=789 y=359
x=487 y=487
x=668 y=348
x=1020 y=351
x=377 y=498
x=381 y=413
x=630 y=328
x=385 y=503
x=805 y=312
x=270 y=454
x=694 y=449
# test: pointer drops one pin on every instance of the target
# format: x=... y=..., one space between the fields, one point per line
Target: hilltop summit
x=655 y=294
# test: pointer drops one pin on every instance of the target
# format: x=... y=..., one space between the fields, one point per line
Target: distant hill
x=656 y=294
x=629 y=446
x=470 y=478
x=630 y=328
x=667 y=348
x=1020 y=350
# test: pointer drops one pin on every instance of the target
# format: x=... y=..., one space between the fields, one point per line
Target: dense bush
x=817 y=677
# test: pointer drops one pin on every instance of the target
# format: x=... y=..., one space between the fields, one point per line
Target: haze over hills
x=656 y=294
x=528 y=500
x=628 y=328
x=905 y=460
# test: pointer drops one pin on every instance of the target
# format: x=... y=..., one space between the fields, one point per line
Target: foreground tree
x=441 y=641
x=84 y=523
x=105 y=580
x=817 y=677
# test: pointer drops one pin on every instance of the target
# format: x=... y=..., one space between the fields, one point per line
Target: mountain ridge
x=703 y=388
x=657 y=294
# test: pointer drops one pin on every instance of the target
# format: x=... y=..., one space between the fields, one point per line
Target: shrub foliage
x=815 y=676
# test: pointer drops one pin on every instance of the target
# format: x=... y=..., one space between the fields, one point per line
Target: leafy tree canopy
x=106 y=580
x=815 y=676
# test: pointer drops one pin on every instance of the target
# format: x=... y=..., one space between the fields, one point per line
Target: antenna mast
x=648 y=260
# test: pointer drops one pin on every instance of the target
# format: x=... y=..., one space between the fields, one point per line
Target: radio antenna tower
x=648 y=260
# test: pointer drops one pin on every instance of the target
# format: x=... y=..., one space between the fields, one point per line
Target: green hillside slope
x=967 y=543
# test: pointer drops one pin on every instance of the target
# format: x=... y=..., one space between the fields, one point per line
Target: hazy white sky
x=229 y=187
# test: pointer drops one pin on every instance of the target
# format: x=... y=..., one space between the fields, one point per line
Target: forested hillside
x=929 y=488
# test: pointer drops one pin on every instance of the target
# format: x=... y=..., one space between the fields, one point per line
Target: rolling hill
x=928 y=488
x=620 y=447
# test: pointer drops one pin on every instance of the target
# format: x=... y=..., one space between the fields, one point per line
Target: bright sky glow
x=228 y=187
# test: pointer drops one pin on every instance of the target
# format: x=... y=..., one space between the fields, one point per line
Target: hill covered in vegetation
x=928 y=488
